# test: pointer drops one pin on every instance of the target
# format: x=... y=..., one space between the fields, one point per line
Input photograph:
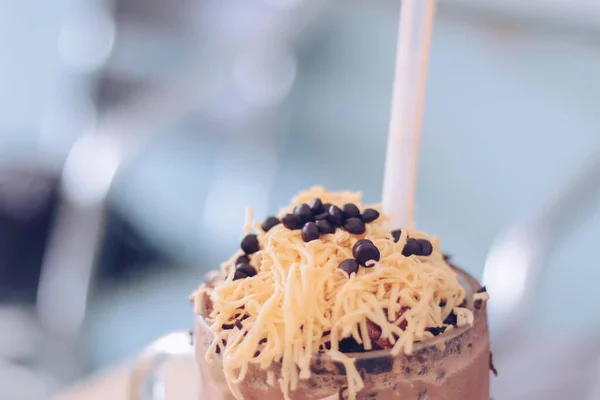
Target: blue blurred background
x=133 y=133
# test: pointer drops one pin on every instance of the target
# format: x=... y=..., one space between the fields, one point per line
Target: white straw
x=412 y=54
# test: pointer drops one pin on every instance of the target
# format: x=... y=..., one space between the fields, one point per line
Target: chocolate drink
x=446 y=360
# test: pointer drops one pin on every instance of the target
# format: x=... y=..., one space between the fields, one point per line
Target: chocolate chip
x=238 y=324
x=325 y=227
x=417 y=247
x=477 y=304
x=250 y=244
x=322 y=216
x=246 y=269
x=326 y=206
x=242 y=259
x=367 y=252
x=369 y=215
x=358 y=243
x=355 y=226
x=292 y=221
x=451 y=319
x=316 y=206
x=349 y=345
x=349 y=265
x=304 y=212
x=396 y=233
x=350 y=210
x=310 y=232
x=436 y=330
x=426 y=247
x=335 y=216
x=269 y=223
x=482 y=289
x=239 y=275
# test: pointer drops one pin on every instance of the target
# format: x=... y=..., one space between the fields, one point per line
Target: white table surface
x=113 y=384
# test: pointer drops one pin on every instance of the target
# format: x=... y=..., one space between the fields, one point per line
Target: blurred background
x=134 y=132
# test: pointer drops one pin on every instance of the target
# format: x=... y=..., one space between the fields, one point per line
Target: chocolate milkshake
x=326 y=301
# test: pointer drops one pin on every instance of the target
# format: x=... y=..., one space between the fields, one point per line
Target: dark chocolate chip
x=238 y=324
x=349 y=345
x=436 y=330
x=412 y=247
x=269 y=223
x=451 y=319
x=245 y=268
x=426 y=247
x=239 y=275
x=369 y=215
x=316 y=206
x=335 y=216
x=477 y=304
x=367 y=252
x=358 y=243
x=355 y=226
x=349 y=265
x=292 y=221
x=304 y=212
x=326 y=206
x=350 y=210
x=482 y=289
x=396 y=234
x=250 y=244
x=325 y=227
x=310 y=232
x=242 y=259
x=322 y=216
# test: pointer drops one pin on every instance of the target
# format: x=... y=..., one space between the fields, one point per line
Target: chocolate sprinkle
x=310 y=232
x=492 y=368
x=269 y=223
x=396 y=233
x=250 y=244
x=355 y=226
x=349 y=265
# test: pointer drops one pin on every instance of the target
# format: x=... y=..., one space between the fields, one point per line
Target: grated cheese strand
x=299 y=300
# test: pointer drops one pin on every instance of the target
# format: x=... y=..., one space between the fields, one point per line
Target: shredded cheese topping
x=300 y=303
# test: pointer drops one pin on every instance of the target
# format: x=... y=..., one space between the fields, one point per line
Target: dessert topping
x=269 y=223
x=250 y=244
